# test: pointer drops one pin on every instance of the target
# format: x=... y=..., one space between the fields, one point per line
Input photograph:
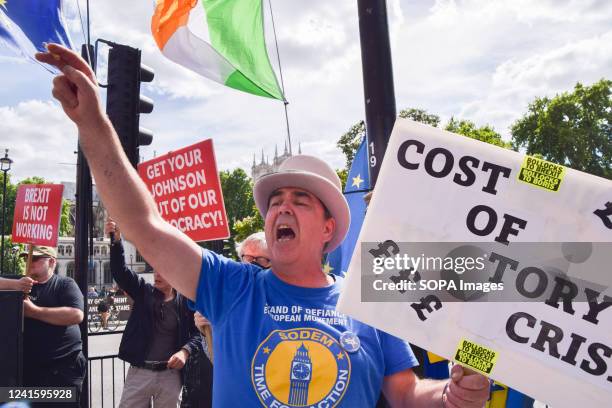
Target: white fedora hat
x=315 y=176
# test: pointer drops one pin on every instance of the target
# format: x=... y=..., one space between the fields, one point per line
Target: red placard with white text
x=37 y=214
x=186 y=188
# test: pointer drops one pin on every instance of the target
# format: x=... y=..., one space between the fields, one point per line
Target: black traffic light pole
x=379 y=93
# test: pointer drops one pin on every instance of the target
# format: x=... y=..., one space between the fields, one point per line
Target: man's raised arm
x=124 y=195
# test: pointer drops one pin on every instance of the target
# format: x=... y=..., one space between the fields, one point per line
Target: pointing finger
x=68 y=56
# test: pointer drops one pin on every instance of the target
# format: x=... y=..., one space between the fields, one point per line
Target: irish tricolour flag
x=235 y=55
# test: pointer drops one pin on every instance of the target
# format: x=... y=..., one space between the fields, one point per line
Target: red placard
x=37 y=214
x=186 y=188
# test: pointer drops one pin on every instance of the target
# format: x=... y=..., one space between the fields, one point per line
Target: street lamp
x=5 y=166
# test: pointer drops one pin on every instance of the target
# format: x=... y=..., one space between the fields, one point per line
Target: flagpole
x=88 y=28
x=378 y=90
x=280 y=70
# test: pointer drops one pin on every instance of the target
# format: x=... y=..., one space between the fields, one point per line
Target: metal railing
x=97 y=399
x=105 y=389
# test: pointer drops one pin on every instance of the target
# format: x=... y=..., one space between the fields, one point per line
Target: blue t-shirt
x=280 y=345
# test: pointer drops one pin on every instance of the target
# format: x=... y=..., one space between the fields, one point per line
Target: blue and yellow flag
x=25 y=25
x=357 y=185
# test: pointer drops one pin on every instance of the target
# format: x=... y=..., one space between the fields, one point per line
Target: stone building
x=265 y=166
x=99 y=274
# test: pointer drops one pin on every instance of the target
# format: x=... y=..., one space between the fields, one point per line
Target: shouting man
x=278 y=336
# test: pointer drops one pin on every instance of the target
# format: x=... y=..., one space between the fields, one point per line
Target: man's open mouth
x=284 y=233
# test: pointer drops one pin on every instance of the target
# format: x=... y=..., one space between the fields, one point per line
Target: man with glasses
x=51 y=338
x=254 y=250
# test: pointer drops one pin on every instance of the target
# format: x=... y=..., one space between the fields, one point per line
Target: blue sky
x=482 y=60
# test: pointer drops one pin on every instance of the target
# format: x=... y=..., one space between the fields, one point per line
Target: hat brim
x=322 y=188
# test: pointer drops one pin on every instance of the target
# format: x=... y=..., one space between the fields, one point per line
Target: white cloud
x=516 y=83
x=40 y=140
x=485 y=60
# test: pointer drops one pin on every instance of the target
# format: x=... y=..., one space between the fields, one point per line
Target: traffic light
x=124 y=104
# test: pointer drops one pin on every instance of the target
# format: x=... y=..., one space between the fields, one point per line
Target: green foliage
x=349 y=142
x=484 y=133
x=247 y=226
x=13 y=264
x=343 y=175
x=420 y=115
x=66 y=227
x=237 y=194
x=11 y=194
x=571 y=129
x=240 y=206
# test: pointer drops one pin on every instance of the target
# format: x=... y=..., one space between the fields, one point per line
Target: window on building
x=108 y=276
x=91 y=275
x=139 y=257
x=68 y=250
x=60 y=250
x=70 y=269
x=104 y=250
x=96 y=250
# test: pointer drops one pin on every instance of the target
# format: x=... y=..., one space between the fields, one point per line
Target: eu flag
x=25 y=25
x=357 y=185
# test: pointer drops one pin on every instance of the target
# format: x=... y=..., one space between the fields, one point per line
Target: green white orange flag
x=236 y=55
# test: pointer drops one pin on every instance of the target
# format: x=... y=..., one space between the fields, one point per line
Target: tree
x=247 y=226
x=239 y=203
x=11 y=194
x=420 y=115
x=484 y=133
x=237 y=194
x=342 y=175
x=571 y=129
x=13 y=263
x=350 y=141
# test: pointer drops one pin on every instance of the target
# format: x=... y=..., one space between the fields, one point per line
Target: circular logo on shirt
x=300 y=367
x=350 y=342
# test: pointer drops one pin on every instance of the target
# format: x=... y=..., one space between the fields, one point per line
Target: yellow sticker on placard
x=541 y=173
x=475 y=356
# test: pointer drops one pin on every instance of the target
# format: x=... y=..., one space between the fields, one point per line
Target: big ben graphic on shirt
x=301 y=370
x=300 y=367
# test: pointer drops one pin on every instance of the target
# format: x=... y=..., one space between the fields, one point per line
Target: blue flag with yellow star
x=25 y=25
x=357 y=185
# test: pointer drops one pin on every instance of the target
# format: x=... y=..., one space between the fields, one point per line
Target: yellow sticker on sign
x=541 y=173
x=475 y=356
